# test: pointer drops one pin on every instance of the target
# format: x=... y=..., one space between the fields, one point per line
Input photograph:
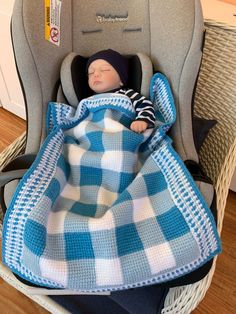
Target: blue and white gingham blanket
x=103 y=208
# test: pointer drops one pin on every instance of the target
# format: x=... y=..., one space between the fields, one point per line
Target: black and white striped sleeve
x=143 y=107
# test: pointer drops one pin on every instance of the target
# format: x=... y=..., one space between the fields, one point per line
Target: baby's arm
x=145 y=114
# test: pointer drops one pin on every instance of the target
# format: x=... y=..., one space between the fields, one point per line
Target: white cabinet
x=11 y=97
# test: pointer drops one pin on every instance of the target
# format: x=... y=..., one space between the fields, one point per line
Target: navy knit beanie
x=119 y=63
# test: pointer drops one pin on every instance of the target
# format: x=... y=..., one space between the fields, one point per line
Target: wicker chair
x=215 y=98
x=13 y=150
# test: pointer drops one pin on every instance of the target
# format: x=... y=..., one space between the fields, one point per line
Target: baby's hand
x=138 y=126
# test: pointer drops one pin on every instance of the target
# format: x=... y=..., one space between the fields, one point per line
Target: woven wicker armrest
x=13 y=150
x=216 y=99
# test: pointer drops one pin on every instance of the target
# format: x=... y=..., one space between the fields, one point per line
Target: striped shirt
x=143 y=107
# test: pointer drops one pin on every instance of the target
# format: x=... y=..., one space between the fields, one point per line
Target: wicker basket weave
x=13 y=150
x=216 y=94
x=215 y=98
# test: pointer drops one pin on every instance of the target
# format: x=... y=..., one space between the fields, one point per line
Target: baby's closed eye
x=105 y=70
x=100 y=70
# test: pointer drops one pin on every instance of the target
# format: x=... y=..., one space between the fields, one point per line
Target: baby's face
x=102 y=77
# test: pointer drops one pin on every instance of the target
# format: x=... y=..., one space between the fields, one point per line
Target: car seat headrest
x=74 y=79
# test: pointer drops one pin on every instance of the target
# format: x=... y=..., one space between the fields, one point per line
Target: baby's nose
x=96 y=73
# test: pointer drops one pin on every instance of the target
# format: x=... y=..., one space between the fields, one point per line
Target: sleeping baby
x=107 y=71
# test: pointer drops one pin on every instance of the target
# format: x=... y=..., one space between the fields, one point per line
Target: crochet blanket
x=103 y=208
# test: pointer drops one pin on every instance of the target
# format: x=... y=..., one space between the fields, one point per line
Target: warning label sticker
x=52 y=21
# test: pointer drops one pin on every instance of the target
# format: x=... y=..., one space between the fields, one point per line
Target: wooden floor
x=10 y=128
x=220 y=298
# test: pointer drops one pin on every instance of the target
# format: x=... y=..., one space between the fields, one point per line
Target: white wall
x=11 y=96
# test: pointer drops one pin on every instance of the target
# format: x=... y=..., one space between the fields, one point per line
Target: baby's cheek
x=89 y=82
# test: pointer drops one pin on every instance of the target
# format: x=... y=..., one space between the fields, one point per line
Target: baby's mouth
x=97 y=82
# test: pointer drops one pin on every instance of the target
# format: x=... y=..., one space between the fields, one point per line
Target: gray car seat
x=170 y=33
